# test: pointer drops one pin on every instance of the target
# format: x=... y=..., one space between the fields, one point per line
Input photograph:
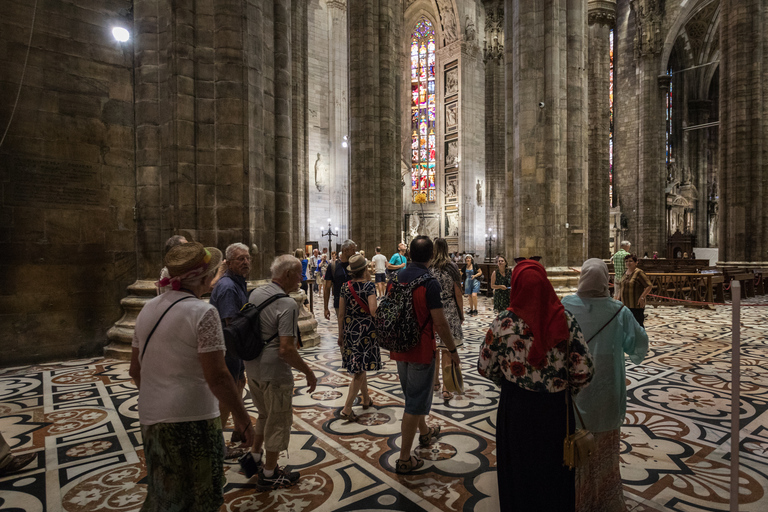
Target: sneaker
x=281 y=478
x=249 y=466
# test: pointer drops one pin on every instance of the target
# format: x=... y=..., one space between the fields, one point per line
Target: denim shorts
x=473 y=286
x=416 y=380
x=381 y=278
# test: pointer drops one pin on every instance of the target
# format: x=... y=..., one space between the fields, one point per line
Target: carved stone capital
x=602 y=12
x=337 y=4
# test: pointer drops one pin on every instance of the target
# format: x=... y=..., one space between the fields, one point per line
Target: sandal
x=351 y=417
x=370 y=403
x=404 y=467
x=436 y=387
x=447 y=395
x=426 y=439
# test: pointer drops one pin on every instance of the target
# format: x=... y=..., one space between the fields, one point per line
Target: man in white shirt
x=380 y=271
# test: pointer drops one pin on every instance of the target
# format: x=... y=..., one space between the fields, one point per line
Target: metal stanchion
x=735 y=392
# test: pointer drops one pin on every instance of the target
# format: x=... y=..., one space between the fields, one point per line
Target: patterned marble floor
x=80 y=418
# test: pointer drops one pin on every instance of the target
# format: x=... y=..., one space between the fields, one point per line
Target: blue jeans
x=416 y=381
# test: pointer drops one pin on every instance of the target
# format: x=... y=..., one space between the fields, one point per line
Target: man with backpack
x=270 y=379
x=416 y=366
x=336 y=275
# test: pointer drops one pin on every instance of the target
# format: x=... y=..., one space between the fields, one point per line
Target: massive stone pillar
x=215 y=142
x=743 y=173
x=545 y=51
x=495 y=126
x=698 y=114
x=374 y=64
x=602 y=18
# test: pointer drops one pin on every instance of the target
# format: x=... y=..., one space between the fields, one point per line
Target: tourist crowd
x=559 y=364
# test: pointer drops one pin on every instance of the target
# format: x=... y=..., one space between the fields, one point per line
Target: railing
x=685 y=289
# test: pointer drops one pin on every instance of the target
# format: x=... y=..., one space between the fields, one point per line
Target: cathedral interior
x=518 y=127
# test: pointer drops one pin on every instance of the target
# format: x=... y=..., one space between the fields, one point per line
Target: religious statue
x=452 y=224
x=319 y=173
x=450 y=116
x=479 y=187
x=448 y=19
x=452 y=154
x=451 y=81
x=469 y=31
x=413 y=225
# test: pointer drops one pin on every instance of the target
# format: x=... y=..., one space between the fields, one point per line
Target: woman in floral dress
x=357 y=333
x=500 y=279
x=449 y=276
x=525 y=354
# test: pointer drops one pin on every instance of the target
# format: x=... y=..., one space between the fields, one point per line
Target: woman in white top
x=178 y=365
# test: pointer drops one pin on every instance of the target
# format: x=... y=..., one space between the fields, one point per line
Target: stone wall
x=67 y=233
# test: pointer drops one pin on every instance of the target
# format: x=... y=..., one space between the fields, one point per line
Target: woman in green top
x=500 y=280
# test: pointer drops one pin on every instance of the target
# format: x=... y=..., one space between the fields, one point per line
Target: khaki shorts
x=274 y=403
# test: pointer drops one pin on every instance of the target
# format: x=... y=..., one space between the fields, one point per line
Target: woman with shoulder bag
x=524 y=353
x=472 y=283
x=448 y=275
x=612 y=332
x=357 y=333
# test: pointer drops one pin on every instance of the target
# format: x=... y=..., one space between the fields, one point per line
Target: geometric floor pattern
x=80 y=419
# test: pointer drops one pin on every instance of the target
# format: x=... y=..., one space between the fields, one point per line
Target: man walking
x=228 y=297
x=270 y=379
x=416 y=367
x=336 y=275
x=619 y=267
x=380 y=272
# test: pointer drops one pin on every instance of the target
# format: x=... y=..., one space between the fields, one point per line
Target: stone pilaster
x=698 y=113
x=545 y=50
x=743 y=172
x=299 y=122
x=602 y=18
x=375 y=70
x=283 y=129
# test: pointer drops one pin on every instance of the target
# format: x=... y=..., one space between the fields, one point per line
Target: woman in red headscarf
x=524 y=353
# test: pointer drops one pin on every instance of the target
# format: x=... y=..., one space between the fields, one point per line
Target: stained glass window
x=423 y=113
x=610 y=137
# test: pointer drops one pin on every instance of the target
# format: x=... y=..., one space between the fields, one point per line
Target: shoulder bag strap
x=158 y=323
x=357 y=298
x=606 y=325
x=568 y=385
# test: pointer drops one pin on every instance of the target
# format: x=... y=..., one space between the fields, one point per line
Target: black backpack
x=397 y=327
x=243 y=334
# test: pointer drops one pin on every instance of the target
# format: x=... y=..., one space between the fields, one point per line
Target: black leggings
x=639 y=314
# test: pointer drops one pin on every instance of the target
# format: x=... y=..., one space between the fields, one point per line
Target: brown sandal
x=351 y=417
x=370 y=403
x=426 y=439
x=404 y=467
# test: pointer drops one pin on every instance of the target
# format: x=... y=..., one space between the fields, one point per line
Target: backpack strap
x=357 y=298
x=263 y=306
x=420 y=281
x=158 y=323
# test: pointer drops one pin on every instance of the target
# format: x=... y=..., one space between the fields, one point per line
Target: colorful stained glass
x=423 y=110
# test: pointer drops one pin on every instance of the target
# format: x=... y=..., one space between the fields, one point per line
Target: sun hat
x=357 y=263
x=189 y=261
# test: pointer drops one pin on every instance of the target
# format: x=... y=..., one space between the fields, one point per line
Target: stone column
x=299 y=122
x=283 y=128
x=602 y=18
x=338 y=84
x=374 y=64
x=495 y=127
x=698 y=113
x=743 y=173
x=545 y=52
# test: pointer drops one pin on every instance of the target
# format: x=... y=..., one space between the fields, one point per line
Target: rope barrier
x=699 y=302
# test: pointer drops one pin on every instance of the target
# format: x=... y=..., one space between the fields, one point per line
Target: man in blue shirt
x=336 y=275
x=228 y=297
x=398 y=260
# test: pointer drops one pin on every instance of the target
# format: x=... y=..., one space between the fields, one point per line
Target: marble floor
x=80 y=418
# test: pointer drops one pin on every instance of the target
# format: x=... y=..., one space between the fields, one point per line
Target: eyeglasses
x=534 y=258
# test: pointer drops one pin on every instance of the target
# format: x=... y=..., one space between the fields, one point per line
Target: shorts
x=381 y=278
x=274 y=402
x=416 y=380
x=472 y=286
x=236 y=366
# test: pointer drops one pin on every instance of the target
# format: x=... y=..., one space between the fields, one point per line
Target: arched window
x=423 y=118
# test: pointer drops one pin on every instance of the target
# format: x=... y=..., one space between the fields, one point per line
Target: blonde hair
x=300 y=254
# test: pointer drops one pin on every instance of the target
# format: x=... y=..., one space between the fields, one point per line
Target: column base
x=121 y=334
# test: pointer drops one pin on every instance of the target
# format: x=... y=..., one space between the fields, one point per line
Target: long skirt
x=598 y=484
x=185 y=466
x=530 y=429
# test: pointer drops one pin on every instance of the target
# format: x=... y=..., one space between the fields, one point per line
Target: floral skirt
x=185 y=466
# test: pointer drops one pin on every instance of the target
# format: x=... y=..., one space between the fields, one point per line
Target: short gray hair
x=626 y=243
x=230 y=252
x=347 y=244
x=284 y=264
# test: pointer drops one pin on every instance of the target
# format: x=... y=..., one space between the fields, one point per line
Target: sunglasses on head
x=534 y=258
